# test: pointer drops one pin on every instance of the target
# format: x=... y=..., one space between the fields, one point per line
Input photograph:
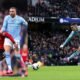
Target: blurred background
x=49 y=25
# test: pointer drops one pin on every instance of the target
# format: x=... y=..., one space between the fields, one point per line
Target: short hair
x=13 y=8
x=73 y=24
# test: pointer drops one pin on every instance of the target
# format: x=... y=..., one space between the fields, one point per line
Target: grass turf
x=51 y=73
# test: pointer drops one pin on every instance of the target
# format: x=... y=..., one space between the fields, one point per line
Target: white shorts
x=9 y=43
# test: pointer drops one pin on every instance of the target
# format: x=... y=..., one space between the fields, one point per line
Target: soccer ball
x=35 y=66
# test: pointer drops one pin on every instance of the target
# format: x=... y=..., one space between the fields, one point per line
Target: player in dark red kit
x=24 y=53
x=4 y=35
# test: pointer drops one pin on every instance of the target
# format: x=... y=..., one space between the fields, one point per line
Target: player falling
x=75 y=31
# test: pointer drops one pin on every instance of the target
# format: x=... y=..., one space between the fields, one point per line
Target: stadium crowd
x=48 y=8
x=45 y=47
x=56 y=8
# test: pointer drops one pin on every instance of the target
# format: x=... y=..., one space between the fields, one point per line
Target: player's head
x=12 y=11
x=74 y=26
x=25 y=47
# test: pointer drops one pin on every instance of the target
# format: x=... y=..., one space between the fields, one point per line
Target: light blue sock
x=8 y=60
x=76 y=53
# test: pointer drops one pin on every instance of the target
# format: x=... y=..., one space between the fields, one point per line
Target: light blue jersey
x=13 y=26
x=70 y=36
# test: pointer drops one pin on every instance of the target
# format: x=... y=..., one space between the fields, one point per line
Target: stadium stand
x=57 y=8
x=44 y=46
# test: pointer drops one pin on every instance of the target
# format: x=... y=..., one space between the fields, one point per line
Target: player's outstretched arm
x=68 y=39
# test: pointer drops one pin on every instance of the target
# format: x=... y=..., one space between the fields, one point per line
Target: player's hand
x=15 y=45
x=61 y=46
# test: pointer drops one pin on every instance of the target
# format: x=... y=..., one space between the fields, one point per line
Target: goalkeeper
x=75 y=31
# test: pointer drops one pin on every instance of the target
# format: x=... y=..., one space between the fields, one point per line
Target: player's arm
x=24 y=23
x=4 y=26
x=6 y=34
x=68 y=39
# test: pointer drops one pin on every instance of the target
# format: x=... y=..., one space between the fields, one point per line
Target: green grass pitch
x=51 y=73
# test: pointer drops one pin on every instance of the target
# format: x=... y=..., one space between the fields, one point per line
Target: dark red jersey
x=24 y=55
x=4 y=35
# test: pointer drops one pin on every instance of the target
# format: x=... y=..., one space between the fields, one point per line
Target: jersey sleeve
x=4 y=26
x=69 y=38
x=24 y=23
x=8 y=36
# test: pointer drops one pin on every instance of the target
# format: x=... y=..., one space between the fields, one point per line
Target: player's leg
x=26 y=68
x=19 y=64
x=76 y=53
x=17 y=54
x=73 y=55
x=2 y=56
x=0 y=68
x=7 y=48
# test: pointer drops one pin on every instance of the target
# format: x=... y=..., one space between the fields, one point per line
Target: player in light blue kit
x=75 y=31
x=12 y=24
